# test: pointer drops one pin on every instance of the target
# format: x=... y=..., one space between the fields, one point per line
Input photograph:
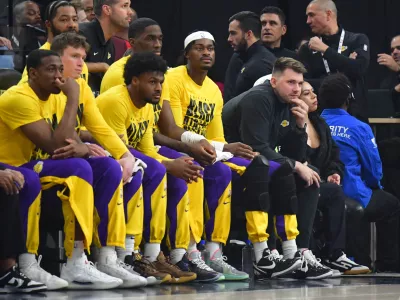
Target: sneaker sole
x=64 y=286
x=214 y=279
x=179 y=280
x=323 y=276
x=13 y=290
x=294 y=267
x=92 y=286
x=229 y=277
x=166 y=279
x=130 y=284
x=356 y=272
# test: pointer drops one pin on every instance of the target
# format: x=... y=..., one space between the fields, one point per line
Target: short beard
x=56 y=32
x=242 y=46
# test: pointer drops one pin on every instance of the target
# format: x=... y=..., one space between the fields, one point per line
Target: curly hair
x=140 y=63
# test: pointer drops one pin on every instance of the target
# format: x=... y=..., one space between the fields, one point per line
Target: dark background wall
x=379 y=19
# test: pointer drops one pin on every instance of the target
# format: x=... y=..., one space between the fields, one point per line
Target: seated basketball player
x=38 y=125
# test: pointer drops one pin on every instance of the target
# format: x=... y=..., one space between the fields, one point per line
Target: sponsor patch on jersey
x=285 y=123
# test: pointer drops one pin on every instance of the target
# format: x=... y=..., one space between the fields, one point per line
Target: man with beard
x=273 y=29
x=333 y=50
x=251 y=60
x=60 y=16
x=112 y=16
x=392 y=62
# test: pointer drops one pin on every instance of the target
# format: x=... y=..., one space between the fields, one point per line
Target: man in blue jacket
x=363 y=169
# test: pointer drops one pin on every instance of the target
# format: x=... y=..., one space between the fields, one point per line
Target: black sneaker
x=197 y=265
x=311 y=267
x=16 y=282
x=273 y=265
x=345 y=265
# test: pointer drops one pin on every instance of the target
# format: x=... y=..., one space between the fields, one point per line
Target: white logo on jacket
x=340 y=131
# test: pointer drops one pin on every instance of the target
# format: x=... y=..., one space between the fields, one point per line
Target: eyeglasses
x=395 y=48
x=88 y=10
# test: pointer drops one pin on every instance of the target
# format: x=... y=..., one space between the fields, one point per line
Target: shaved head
x=325 y=5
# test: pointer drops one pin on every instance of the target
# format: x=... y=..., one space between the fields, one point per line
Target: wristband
x=191 y=137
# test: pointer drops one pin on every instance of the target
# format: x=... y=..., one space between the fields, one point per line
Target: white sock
x=192 y=244
x=212 y=247
x=259 y=248
x=129 y=246
x=289 y=249
x=151 y=251
x=176 y=255
x=105 y=252
x=78 y=252
x=25 y=259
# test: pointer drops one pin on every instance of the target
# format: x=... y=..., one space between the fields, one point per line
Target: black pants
x=384 y=210
x=332 y=205
x=12 y=241
x=307 y=206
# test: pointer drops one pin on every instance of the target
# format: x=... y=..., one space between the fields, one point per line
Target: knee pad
x=256 y=185
x=283 y=191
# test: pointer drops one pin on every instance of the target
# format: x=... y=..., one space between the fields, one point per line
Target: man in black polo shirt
x=273 y=29
x=111 y=16
x=251 y=60
x=329 y=52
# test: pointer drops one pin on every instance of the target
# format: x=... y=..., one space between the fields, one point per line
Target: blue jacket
x=359 y=153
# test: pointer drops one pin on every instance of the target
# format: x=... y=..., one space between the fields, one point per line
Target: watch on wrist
x=304 y=128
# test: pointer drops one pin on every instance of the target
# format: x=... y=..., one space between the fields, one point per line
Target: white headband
x=198 y=35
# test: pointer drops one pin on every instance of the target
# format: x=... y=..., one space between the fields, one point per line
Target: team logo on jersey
x=285 y=123
x=344 y=48
x=243 y=70
x=38 y=167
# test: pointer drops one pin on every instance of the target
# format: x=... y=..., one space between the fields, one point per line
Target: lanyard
x=328 y=70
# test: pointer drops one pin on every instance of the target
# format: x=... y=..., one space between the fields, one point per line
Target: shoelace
x=37 y=265
x=316 y=262
x=124 y=265
x=222 y=260
x=200 y=263
x=144 y=264
x=275 y=256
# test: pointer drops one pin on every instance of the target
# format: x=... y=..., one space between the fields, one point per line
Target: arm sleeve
x=294 y=144
x=370 y=160
x=215 y=130
x=351 y=67
x=176 y=94
x=18 y=110
x=104 y=132
x=255 y=127
x=335 y=165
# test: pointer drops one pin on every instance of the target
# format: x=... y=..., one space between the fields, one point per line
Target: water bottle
x=247 y=259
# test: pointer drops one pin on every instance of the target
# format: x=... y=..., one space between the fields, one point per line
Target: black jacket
x=355 y=69
x=327 y=159
x=389 y=83
x=245 y=68
x=282 y=52
x=261 y=120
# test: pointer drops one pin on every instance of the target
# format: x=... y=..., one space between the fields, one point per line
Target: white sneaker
x=112 y=266
x=36 y=273
x=82 y=274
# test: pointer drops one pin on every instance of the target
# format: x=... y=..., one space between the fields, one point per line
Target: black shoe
x=273 y=265
x=204 y=273
x=16 y=282
x=311 y=267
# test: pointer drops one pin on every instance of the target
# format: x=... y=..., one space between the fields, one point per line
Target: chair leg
x=373 y=246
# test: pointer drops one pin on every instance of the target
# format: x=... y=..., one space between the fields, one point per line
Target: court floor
x=365 y=288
